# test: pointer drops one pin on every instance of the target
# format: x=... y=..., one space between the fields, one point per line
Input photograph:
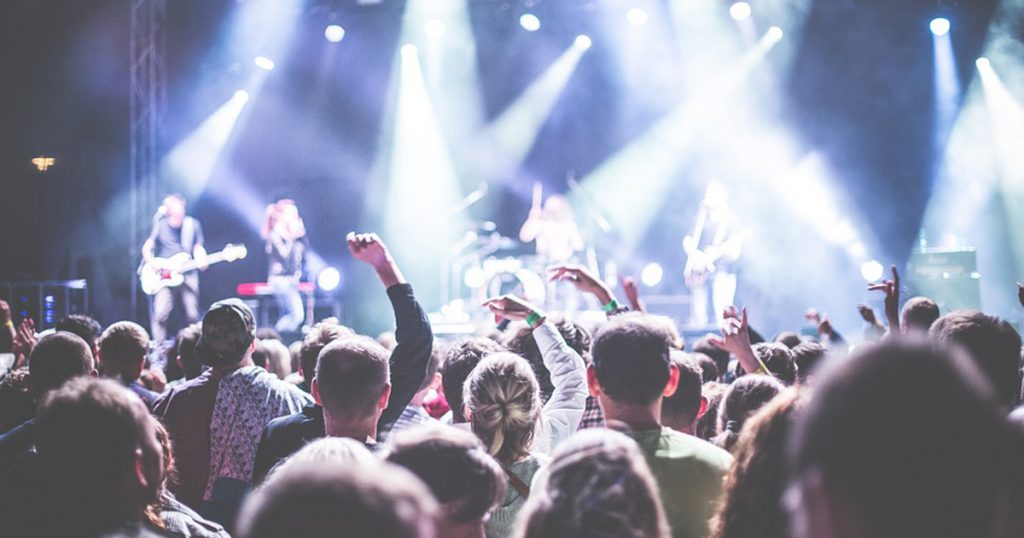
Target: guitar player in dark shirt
x=173 y=233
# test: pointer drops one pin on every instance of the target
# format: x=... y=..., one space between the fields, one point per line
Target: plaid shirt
x=593 y=417
x=412 y=416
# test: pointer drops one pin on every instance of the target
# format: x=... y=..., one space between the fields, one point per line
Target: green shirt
x=690 y=473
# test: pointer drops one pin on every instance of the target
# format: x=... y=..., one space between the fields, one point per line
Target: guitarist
x=711 y=251
x=174 y=232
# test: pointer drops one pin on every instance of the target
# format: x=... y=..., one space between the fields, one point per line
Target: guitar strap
x=517 y=483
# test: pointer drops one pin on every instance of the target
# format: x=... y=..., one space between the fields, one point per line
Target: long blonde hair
x=503 y=400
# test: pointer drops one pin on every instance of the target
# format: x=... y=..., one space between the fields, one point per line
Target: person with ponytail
x=502 y=402
x=742 y=399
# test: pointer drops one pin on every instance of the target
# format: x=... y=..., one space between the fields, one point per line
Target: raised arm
x=412 y=327
x=586 y=282
x=736 y=340
x=891 y=288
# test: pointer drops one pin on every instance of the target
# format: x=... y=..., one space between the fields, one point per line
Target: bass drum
x=520 y=282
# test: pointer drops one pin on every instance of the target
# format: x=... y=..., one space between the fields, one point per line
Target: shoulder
x=183 y=392
x=686 y=446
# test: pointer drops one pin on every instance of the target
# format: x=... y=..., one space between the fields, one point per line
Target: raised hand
x=24 y=341
x=736 y=339
x=891 y=288
x=370 y=249
x=867 y=313
x=512 y=308
x=583 y=279
x=632 y=291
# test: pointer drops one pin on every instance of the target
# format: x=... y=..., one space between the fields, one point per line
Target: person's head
x=502 y=403
x=681 y=410
x=557 y=207
x=459 y=360
x=227 y=335
x=788 y=338
x=742 y=399
x=320 y=335
x=185 y=345
x=993 y=344
x=708 y=368
x=917 y=315
x=174 y=205
x=631 y=366
x=432 y=378
x=99 y=451
x=85 y=327
x=598 y=485
x=268 y=333
x=903 y=439
x=707 y=424
x=338 y=499
x=759 y=473
x=466 y=481
x=353 y=381
x=57 y=358
x=340 y=450
x=720 y=356
x=778 y=358
x=123 y=349
x=276 y=358
x=524 y=345
x=807 y=357
x=17 y=404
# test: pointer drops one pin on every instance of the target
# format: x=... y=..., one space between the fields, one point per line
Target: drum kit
x=483 y=264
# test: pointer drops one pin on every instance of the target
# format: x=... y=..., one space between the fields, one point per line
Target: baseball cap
x=228 y=329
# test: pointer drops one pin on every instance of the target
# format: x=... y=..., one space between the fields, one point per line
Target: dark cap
x=228 y=331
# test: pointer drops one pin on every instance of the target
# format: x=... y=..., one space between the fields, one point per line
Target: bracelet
x=533 y=318
x=612 y=306
x=9 y=324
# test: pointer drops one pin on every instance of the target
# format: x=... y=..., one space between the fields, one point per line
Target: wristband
x=612 y=306
x=9 y=324
x=533 y=318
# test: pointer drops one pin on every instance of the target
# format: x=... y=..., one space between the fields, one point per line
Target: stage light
x=775 y=34
x=434 y=28
x=475 y=277
x=264 y=63
x=43 y=163
x=241 y=96
x=740 y=11
x=637 y=16
x=652 y=274
x=583 y=42
x=872 y=270
x=409 y=51
x=529 y=22
x=939 y=26
x=328 y=279
x=334 y=33
x=983 y=64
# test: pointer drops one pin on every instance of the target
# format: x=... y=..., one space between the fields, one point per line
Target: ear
x=592 y=384
x=466 y=413
x=385 y=396
x=314 y=388
x=435 y=384
x=702 y=409
x=140 y=469
x=673 y=381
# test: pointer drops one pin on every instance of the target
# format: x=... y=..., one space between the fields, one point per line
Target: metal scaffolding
x=148 y=102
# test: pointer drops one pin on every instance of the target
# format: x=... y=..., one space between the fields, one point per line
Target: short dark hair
x=320 y=335
x=808 y=356
x=919 y=313
x=459 y=360
x=707 y=425
x=84 y=326
x=720 y=356
x=268 y=333
x=456 y=467
x=433 y=365
x=684 y=404
x=350 y=375
x=185 y=350
x=56 y=358
x=993 y=344
x=909 y=394
x=778 y=359
x=789 y=339
x=524 y=345
x=631 y=359
x=708 y=368
x=123 y=349
x=325 y=498
x=742 y=399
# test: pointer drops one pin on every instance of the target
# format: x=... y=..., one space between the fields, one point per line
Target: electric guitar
x=160 y=273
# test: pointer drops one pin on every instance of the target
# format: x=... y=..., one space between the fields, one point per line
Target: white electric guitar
x=160 y=273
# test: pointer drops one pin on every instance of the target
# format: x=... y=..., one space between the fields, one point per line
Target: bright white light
x=939 y=26
x=583 y=42
x=475 y=277
x=637 y=16
x=334 y=33
x=242 y=96
x=264 y=63
x=652 y=274
x=983 y=63
x=529 y=22
x=740 y=11
x=775 y=34
x=434 y=28
x=328 y=279
x=871 y=270
x=409 y=51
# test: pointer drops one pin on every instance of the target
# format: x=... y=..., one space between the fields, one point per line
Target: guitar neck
x=216 y=257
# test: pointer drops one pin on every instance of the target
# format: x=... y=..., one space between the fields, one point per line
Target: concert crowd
x=546 y=427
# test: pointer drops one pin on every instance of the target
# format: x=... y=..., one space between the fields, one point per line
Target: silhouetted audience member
x=808 y=356
x=183 y=355
x=903 y=439
x=741 y=400
x=465 y=480
x=17 y=404
x=719 y=355
x=686 y=405
x=598 y=485
x=708 y=368
x=459 y=360
x=123 y=349
x=85 y=327
x=707 y=424
x=778 y=358
x=917 y=315
x=334 y=499
x=789 y=339
x=993 y=344
x=631 y=374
